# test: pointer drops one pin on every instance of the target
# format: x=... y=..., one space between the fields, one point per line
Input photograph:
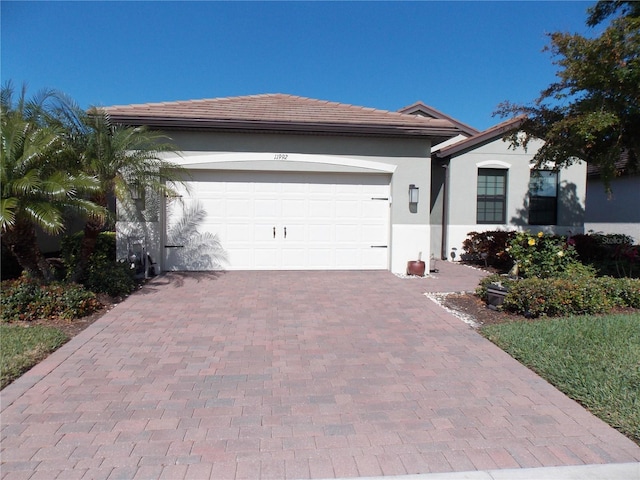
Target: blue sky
x=462 y=58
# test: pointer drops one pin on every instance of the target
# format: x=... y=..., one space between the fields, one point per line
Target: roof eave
x=173 y=123
x=482 y=138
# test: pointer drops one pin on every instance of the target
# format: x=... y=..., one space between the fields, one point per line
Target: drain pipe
x=445 y=212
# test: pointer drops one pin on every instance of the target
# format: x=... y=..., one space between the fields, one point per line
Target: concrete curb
x=612 y=471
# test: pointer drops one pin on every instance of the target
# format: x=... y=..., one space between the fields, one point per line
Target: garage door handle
x=274 y=232
x=285 y=232
x=379 y=246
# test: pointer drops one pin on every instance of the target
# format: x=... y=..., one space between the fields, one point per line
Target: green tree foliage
x=36 y=184
x=592 y=112
x=123 y=159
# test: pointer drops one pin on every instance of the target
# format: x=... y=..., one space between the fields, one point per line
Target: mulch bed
x=471 y=305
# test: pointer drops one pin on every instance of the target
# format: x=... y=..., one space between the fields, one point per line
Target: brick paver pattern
x=289 y=375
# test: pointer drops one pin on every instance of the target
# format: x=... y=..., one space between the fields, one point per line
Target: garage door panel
x=320 y=209
x=374 y=256
x=266 y=188
x=322 y=257
x=295 y=188
x=263 y=233
x=317 y=188
x=347 y=209
x=373 y=234
x=267 y=258
x=346 y=233
x=294 y=208
x=373 y=209
x=235 y=188
x=236 y=233
x=295 y=258
x=321 y=233
x=241 y=258
x=348 y=257
x=266 y=207
x=330 y=219
x=233 y=208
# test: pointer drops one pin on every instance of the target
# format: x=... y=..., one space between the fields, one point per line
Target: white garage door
x=279 y=221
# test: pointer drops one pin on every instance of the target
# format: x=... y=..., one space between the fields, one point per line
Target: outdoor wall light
x=414 y=194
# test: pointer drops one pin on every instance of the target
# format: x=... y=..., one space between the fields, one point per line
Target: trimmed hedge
x=534 y=297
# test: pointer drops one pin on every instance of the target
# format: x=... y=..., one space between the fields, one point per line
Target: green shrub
x=534 y=297
x=488 y=248
x=104 y=274
x=577 y=270
x=540 y=255
x=113 y=278
x=611 y=254
x=622 y=292
x=24 y=299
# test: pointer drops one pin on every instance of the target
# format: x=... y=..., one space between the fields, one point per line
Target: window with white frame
x=492 y=195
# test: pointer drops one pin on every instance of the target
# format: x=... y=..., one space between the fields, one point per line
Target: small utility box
x=495 y=296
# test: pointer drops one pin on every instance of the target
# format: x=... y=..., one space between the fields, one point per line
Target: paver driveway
x=288 y=375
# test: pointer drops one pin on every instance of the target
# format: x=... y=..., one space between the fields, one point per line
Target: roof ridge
x=194 y=100
x=435 y=113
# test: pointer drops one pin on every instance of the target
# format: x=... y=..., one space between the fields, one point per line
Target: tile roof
x=624 y=166
x=420 y=108
x=279 y=112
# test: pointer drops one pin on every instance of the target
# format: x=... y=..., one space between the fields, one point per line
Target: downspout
x=445 y=212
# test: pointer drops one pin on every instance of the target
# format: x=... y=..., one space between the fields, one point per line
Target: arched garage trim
x=283 y=161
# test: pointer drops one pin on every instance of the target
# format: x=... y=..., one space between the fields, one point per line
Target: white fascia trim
x=446 y=143
x=495 y=163
x=195 y=160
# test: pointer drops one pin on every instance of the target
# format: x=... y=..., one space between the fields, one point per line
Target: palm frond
x=86 y=208
x=45 y=215
x=187 y=226
x=26 y=185
x=8 y=208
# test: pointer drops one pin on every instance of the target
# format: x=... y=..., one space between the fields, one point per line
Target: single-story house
x=284 y=182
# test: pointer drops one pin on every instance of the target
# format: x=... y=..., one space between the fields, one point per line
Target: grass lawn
x=594 y=360
x=22 y=347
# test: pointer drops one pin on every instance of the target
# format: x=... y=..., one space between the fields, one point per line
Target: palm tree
x=35 y=181
x=124 y=159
